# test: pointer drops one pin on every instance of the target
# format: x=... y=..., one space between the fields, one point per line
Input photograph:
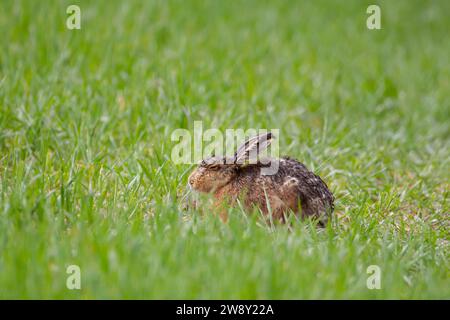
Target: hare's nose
x=190 y=181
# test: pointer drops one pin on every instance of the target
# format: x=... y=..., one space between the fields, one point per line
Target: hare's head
x=217 y=171
x=212 y=173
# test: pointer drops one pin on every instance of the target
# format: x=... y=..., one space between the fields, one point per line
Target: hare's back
x=310 y=185
x=291 y=174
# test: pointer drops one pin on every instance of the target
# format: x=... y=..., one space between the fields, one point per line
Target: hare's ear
x=252 y=147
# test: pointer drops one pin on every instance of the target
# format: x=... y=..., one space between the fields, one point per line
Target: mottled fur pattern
x=292 y=188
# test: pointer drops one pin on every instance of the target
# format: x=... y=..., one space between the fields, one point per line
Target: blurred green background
x=86 y=117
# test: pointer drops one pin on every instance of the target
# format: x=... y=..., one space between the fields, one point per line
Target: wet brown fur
x=292 y=188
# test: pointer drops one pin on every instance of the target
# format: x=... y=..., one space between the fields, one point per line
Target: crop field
x=87 y=179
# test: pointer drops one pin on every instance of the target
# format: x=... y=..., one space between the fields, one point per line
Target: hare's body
x=292 y=187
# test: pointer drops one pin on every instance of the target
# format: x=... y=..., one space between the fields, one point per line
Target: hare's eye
x=214 y=167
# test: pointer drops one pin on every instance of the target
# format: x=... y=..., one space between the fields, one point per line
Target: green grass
x=86 y=176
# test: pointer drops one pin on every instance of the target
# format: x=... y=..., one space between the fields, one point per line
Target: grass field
x=86 y=117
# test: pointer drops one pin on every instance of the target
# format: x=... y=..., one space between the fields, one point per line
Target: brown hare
x=291 y=188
